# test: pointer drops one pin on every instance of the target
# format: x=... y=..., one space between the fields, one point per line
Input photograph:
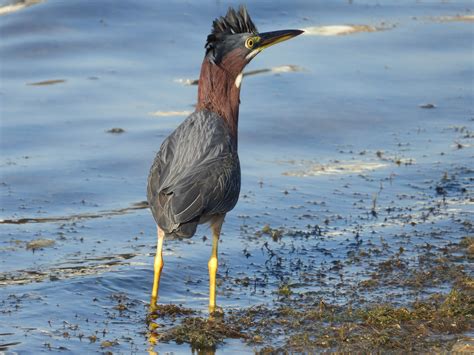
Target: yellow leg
x=158 y=267
x=216 y=226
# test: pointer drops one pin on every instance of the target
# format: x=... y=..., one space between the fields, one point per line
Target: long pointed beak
x=268 y=39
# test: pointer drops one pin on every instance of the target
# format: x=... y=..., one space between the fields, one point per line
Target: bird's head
x=235 y=41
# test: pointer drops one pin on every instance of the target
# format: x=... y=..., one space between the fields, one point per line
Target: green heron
x=195 y=177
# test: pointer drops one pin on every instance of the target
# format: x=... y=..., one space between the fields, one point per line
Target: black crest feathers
x=232 y=23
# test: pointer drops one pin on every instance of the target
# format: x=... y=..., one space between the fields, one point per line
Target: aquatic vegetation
x=202 y=333
x=305 y=327
x=47 y=82
x=116 y=130
x=305 y=323
x=39 y=244
x=169 y=310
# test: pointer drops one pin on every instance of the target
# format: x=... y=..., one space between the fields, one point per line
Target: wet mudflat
x=354 y=229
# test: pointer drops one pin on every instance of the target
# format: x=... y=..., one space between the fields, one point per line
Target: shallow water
x=317 y=146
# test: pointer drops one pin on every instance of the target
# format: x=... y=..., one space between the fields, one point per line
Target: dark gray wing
x=196 y=173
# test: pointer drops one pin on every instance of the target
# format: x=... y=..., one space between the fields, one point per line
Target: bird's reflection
x=152 y=328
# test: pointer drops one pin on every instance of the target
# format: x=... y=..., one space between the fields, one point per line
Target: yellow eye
x=249 y=43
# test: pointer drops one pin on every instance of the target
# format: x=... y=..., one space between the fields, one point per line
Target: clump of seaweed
x=40 y=244
x=467 y=243
x=168 y=310
x=430 y=324
x=284 y=290
x=276 y=234
x=202 y=333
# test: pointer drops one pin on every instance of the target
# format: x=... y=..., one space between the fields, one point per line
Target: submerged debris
x=427 y=106
x=276 y=234
x=40 y=244
x=116 y=130
x=47 y=82
x=109 y=343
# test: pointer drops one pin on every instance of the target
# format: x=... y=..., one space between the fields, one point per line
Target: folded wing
x=195 y=174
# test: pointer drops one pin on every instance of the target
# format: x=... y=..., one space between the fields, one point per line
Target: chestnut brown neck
x=218 y=91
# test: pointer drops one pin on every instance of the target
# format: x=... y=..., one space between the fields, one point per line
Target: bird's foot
x=216 y=312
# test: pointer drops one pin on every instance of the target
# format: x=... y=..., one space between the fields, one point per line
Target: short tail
x=183 y=231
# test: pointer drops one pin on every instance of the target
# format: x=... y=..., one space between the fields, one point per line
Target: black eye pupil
x=250 y=43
